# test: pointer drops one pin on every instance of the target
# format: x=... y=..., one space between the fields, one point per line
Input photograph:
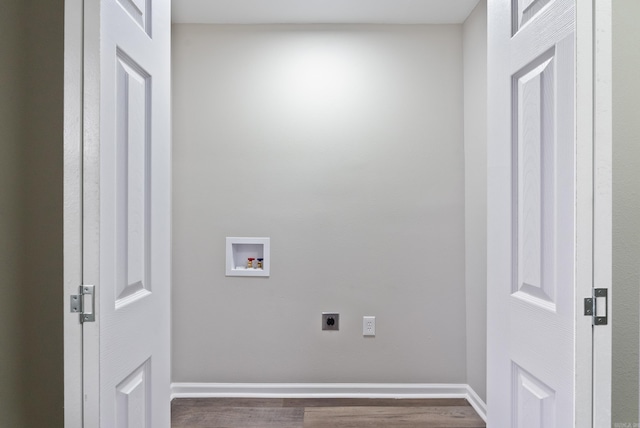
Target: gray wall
x=11 y=212
x=43 y=282
x=344 y=144
x=626 y=209
x=475 y=170
x=31 y=359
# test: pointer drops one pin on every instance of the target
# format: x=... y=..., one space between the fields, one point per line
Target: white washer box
x=240 y=249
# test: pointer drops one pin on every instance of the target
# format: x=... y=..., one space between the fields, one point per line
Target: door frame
x=584 y=381
x=594 y=114
x=81 y=146
x=81 y=201
x=72 y=215
x=594 y=54
x=602 y=69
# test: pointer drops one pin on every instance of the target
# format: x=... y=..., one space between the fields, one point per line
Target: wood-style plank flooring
x=322 y=413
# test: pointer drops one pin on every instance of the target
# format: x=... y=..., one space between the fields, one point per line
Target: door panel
x=133 y=404
x=532 y=255
x=542 y=308
x=534 y=403
x=525 y=10
x=534 y=93
x=139 y=11
x=133 y=180
x=133 y=218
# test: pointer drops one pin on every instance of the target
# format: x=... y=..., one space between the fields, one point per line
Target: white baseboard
x=330 y=390
x=477 y=403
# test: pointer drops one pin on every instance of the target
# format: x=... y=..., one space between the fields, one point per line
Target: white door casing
x=126 y=200
x=72 y=255
x=603 y=204
x=539 y=215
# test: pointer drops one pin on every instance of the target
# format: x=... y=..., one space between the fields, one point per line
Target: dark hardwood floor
x=322 y=413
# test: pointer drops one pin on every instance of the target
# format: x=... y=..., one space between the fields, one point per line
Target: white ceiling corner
x=321 y=11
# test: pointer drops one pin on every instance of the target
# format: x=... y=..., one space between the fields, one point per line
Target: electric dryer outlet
x=330 y=321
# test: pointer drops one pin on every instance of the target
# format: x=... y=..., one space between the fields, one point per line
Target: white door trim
x=81 y=149
x=91 y=208
x=602 y=195
x=72 y=253
x=584 y=208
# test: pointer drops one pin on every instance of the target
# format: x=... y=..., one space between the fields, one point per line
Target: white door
x=126 y=199
x=539 y=216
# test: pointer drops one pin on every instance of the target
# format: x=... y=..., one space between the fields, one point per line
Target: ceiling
x=322 y=11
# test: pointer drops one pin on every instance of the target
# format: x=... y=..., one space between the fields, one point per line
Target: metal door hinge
x=591 y=306
x=80 y=306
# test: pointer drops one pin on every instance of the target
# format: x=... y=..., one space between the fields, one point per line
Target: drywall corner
x=475 y=154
